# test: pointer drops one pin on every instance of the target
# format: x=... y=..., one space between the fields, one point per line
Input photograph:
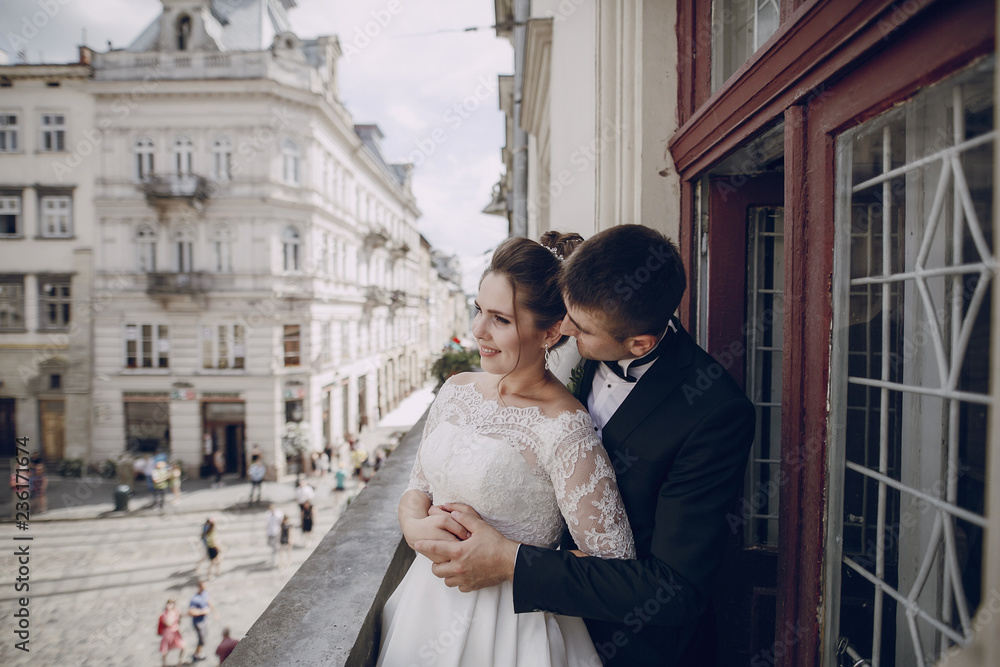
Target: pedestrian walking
x=285 y=549
x=169 y=629
x=213 y=549
x=161 y=481
x=175 y=483
x=226 y=646
x=219 y=462
x=307 y=522
x=274 y=520
x=341 y=477
x=256 y=472
x=303 y=492
x=198 y=609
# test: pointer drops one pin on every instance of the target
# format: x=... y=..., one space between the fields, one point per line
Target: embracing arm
x=671 y=585
x=418 y=524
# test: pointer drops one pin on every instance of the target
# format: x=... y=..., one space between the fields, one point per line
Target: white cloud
x=406 y=116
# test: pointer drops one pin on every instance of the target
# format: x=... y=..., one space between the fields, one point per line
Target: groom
x=679 y=451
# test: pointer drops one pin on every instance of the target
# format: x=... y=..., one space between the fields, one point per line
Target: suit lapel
x=654 y=386
x=583 y=390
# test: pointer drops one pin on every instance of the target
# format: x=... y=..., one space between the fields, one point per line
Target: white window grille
x=183 y=156
x=11 y=303
x=291 y=244
x=913 y=268
x=223 y=347
x=53 y=132
x=9 y=129
x=57 y=216
x=739 y=28
x=290 y=157
x=144 y=158
x=765 y=307
x=222 y=159
x=184 y=241
x=224 y=249
x=147 y=346
x=10 y=215
x=54 y=303
x=145 y=241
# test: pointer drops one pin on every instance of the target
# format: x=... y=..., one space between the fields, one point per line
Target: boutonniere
x=576 y=379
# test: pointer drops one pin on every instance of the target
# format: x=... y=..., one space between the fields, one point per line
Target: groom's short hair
x=630 y=274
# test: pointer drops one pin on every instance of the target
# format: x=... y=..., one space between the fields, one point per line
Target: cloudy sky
x=428 y=83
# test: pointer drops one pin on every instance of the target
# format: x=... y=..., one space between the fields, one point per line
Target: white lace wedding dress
x=526 y=474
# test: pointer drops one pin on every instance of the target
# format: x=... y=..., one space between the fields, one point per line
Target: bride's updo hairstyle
x=533 y=271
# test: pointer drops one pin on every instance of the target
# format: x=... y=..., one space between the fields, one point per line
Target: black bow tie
x=616 y=367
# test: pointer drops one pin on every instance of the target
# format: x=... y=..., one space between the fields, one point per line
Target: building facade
x=46 y=245
x=828 y=171
x=259 y=244
x=239 y=266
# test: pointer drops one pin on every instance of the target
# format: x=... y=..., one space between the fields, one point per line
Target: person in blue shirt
x=198 y=610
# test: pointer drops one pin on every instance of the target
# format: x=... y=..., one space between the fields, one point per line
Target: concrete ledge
x=329 y=613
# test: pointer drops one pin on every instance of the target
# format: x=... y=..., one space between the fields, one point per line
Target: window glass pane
x=291 y=344
x=739 y=28
x=239 y=347
x=223 y=347
x=163 y=346
x=914 y=269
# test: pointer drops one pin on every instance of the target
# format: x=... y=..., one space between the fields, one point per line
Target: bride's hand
x=438 y=528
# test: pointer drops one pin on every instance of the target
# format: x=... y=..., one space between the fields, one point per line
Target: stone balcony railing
x=329 y=613
x=167 y=284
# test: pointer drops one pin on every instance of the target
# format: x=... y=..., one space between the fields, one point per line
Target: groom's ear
x=639 y=346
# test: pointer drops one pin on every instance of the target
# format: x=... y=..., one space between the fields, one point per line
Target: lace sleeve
x=417 y=479
x=586 y=489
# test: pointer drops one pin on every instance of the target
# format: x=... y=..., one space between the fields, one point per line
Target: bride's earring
x=548 y=358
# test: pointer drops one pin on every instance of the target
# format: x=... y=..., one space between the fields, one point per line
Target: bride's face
x=504 y=345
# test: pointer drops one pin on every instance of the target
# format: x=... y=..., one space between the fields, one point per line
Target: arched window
x=183 y=156
x=291 y=242
x=184 y=241
x=183 y=32
x=144 y=158
x=222 y=159
x=145 y=241
x=224 y=248
x=290 y=155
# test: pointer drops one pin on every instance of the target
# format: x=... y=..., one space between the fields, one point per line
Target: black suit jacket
x=679 y=445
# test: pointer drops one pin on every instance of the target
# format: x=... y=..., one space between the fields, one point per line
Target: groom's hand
x=485 y=558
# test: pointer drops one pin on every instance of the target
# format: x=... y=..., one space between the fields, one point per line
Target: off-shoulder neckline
x=567 y=414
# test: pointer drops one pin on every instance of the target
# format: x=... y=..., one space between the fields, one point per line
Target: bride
x=516 y=445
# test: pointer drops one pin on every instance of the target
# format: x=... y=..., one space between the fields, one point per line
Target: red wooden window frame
x=831 y=65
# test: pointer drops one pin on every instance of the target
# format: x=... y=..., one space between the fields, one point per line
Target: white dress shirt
x=608 y=391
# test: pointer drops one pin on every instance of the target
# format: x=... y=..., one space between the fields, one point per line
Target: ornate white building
x=256 y=259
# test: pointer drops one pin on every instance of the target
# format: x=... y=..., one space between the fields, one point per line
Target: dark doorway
x=224 y=423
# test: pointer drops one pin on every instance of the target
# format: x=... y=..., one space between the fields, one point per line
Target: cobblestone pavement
x=98 y=581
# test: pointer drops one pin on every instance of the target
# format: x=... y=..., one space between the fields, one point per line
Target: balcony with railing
x=163 y=187
x=178 y=284
x=329 y=613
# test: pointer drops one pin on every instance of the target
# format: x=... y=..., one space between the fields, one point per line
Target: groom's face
x=593 y=340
